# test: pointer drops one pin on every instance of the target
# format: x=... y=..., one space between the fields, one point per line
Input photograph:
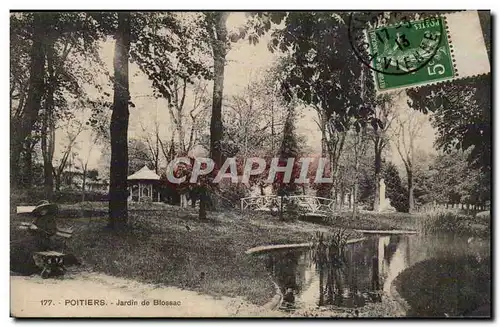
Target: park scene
x=245 y=164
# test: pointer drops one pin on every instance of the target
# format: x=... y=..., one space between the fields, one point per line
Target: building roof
x=144 y=174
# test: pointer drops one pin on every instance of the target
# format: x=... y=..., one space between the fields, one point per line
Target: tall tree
x=118 y=212
x=164 y=60
x=254 y=118
x=22 y=126
x=70 y=60
x=72 y=130
x=188 y=118
x=289 y=149
x=359 y=147
x=323 y=72
x=380 y=136
x=407 y=131
x=216 y=25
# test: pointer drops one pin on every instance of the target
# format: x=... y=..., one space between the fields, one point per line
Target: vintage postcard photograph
x=284 y=164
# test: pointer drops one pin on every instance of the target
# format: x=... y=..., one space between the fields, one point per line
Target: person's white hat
x=41 y=209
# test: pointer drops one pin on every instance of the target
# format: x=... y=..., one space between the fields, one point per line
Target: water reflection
x=371 y=266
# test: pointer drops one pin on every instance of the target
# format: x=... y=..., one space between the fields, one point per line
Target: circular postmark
x=393 y=43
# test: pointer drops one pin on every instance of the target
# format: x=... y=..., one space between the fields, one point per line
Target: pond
x=371 y=265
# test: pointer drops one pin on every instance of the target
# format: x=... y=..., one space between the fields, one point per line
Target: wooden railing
x=310 y=204
x=429 y=207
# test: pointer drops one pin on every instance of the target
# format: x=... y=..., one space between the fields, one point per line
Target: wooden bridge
x=312 y=205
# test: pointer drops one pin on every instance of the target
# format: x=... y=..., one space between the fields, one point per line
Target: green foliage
x=453 y=223
x=71 y=57
x=443 y=222
x=394 y=188
x=450 y=179
x=293 y=211
x=166 y=49
x=461 y=114
x=323 y=70
x=449 y=286
x=289 y=149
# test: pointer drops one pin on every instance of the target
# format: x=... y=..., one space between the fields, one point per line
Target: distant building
x=98 y=186
x=73 y=180
x=144 y=185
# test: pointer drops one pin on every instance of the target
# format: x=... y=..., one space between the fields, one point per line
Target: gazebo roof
x=144 y=174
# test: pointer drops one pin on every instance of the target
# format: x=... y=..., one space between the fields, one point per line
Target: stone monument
x=381 y=200
x=384 y=204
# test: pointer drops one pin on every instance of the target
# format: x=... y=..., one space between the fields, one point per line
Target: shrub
x=32 y=196
x=444 y=222
x=229 y=195
x=293 y=210
x=484 y=216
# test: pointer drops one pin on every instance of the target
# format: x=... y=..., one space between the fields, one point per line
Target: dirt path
x=99 y=295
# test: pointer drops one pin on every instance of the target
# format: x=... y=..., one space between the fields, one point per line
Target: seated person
x=44 y=226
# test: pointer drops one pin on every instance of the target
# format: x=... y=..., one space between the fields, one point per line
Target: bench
x=51 y=263
x=61 y=232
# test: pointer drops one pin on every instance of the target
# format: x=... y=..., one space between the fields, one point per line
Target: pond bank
x=265 y=248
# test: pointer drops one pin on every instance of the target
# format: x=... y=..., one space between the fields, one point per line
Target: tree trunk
x=48 y=177
x=118 y=211
x=325 y=190
x=84 y=180
x=157 y=157
x=219 y=53
x=47 y=123
x=411 y=203
x=321 y=286
x=342 y=198
x=202 y=214
x=23 y=126
x=282 y=217
x=27 y=157
x=355 y=199
x=57 y=180
x=378 y=169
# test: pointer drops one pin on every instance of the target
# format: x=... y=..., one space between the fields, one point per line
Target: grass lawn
x=169 y=245
x=370 y=220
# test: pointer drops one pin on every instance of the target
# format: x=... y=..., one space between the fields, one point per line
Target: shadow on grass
x=447 y=287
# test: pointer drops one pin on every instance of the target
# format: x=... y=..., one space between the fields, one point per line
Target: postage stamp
x=407 y=53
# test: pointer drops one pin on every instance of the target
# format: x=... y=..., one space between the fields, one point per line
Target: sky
x=244 y=63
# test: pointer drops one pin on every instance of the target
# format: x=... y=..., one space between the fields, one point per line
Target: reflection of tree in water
x=362 y=254
x=285 y=268
x=391 y=248
x=329 y=254
x=349 y=274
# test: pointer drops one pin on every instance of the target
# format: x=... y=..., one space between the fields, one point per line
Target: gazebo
x=143 y=185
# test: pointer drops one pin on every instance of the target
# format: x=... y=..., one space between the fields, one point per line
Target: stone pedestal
x=381 y=201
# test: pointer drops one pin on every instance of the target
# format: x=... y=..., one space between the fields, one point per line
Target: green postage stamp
x=422 y=51
x=412 y=54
